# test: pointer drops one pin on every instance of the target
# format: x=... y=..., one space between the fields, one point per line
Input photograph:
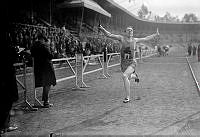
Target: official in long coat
x=43 y=67
x=8 y=86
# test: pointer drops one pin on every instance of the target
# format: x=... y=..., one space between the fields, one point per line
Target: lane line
x=194 y=77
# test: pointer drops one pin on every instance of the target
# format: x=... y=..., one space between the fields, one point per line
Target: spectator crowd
x=193 y=48
x=61 y=41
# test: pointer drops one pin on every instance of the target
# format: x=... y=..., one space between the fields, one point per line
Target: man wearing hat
x=43 y=67
x=127 y=64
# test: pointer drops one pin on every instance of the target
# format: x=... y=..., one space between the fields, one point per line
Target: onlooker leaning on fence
x=43 y=67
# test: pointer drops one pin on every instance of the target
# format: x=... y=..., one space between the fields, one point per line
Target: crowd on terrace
x=61 y=41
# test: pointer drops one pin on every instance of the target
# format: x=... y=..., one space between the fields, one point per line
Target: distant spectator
x=159 y=50
x=88 y=49
x=194 y=50
x=189 y=49
x=78 y=46
x=198 y=52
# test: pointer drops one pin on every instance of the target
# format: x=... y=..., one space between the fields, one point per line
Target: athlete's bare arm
x=110 y=35
x=147 y=38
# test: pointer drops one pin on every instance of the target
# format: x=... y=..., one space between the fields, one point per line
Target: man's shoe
x=11 y=128
x=47 y=105
x=126 y=100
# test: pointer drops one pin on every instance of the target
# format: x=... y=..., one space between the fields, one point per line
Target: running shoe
x=126 y=100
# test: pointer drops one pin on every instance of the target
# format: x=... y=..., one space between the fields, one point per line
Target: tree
x=143 y=11
x=191 y=17
x=167 y=17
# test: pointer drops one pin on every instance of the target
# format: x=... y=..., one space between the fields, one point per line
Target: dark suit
x=189 y=50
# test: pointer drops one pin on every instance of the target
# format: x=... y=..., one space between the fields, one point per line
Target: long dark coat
x=8 y=84
x=43 y=66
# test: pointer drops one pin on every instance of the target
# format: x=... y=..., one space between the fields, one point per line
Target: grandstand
x=81 y=20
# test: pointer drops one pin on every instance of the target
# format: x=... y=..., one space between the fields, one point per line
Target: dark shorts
x=126 y=63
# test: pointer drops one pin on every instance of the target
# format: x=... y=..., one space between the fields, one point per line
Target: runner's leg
x=126 y=76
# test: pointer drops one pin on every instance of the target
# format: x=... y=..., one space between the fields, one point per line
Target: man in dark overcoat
x=8 y=85
x=43 y=67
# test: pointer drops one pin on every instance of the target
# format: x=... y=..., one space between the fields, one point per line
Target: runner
x=128 y=61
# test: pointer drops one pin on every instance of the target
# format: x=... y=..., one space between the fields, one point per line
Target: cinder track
x=185 y=130
x=169 y=100
x=194 y=76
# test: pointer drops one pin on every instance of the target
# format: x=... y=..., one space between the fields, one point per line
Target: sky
x=160 y=7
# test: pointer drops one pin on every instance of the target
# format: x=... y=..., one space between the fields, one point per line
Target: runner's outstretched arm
x=148 y=37
x=110 y=35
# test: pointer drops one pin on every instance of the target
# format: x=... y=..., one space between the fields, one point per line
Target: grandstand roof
x=116 y=6
x=90 y=4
